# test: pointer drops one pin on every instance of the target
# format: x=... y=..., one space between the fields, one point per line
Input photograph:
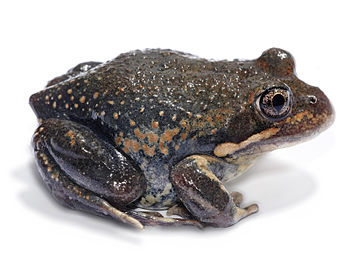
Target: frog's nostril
x=312 y=99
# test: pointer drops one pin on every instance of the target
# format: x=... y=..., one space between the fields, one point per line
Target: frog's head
x=280 y=109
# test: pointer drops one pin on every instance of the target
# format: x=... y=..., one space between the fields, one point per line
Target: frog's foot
x=241 y=213
x=204 y=195
x=244 y=212
x=80 y=170
x=155 y=218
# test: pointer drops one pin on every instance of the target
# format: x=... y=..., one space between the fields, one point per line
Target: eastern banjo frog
x=161 y=129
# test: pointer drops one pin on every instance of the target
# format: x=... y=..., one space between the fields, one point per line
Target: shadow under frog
x=160 y=129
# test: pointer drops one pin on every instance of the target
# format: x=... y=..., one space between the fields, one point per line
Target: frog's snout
x=312 y=113
x=321 y=108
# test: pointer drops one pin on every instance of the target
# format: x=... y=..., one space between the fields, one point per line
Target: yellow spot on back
x=115 y=115
x=210 y=120
x=163 y=148
x=148 y=150
x=59 y=96
x=168 y=135
x=183 y=136
x=139 y=134
x=161 y=113
x=111 y=102
x=54 y=105
x=82 y=99
x=132 y=123
x=152 y=137
x=95 y=96
x=183 y=123
x=76 y=105
x=118 y=140
x=132 y=145
x=155 y=124
x=69 y=91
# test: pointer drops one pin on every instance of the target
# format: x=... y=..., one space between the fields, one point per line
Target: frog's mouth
x=317 y=116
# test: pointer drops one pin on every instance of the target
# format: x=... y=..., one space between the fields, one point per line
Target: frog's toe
x=237 y=198
x=241 y=213
x=152 y=219
x=244 y=212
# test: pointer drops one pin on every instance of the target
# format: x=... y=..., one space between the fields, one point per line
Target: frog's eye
x=275 y=103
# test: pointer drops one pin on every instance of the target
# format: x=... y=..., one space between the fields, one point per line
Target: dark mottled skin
x=157 y=107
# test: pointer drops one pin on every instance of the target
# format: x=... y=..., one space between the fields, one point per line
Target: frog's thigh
x=78 y=181
x=204 y=195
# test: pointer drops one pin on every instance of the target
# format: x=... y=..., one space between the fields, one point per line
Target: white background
x=303 y=191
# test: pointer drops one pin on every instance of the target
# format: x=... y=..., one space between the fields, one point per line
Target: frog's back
x=158 y=106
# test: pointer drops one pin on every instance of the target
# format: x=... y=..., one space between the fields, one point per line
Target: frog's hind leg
x=204 y=195
x=79 y=179
x=155 y=218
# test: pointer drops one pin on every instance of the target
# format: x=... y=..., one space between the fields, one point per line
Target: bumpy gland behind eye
x=277 y=62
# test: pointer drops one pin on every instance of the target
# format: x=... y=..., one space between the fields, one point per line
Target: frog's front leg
x=204 y=195
x=86 y=173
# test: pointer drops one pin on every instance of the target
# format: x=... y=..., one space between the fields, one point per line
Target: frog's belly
x=159 y=194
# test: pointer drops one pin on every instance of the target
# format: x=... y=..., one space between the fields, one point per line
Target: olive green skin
x=160 y=106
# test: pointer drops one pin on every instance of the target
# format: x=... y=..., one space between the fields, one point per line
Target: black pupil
x=278 y=102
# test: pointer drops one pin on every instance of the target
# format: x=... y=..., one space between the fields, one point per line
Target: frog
x=158 y=129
